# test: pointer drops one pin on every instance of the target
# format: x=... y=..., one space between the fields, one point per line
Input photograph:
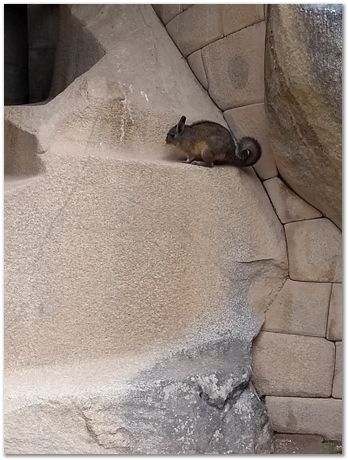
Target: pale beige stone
x=314 y=248
x=118 y=256
x=196 y=27
x=234 y=68
x=306 y=415
x=338 y=377
x=251 y=121
x=196 y=63
x=236 y=17
x=335 y=321
x=288 y=205
x=292 y=365
x=186 y=6
x=167 y=12
x=300 y=308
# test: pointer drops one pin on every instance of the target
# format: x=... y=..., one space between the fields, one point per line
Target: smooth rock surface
x=119 y=257
x=167 y=12
x=234 y=68
x=338 y=377
x=300 y=308
x=196 y=63
x=306 y=415
x=196 y=27
x=315 y=251
x=303 y=95
x=292 y=365
x=289 y=206
x=250 y=120
x=236 y=17
x=335 y=321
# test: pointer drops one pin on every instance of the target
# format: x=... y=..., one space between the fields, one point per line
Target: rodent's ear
x=181 y=125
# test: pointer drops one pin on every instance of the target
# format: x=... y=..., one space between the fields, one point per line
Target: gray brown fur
x=207 y=143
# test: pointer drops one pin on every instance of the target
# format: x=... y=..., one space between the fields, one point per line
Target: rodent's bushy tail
x=248 y=151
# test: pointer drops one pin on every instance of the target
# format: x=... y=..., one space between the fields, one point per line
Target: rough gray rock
x=303 y=78
x=198 y=402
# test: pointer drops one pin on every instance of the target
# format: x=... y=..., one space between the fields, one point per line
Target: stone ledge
x=306 y=415
x=293 y=365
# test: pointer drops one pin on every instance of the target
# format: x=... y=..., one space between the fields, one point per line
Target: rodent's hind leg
x=207 y=159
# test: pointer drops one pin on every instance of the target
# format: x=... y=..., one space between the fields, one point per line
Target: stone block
x=335 y=321
x=300 y=308
x=235 y=66
x=297 y=444
x=306 y=415
x=251 y=121
x=196 y=27
x=292 y=365
x=288 y=205
x=196 y=63
x=237 y=17
x=314 y=248
x=338 y=376
x=167 y=11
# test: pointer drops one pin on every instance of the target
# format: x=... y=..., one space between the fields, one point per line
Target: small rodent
x=206 y=143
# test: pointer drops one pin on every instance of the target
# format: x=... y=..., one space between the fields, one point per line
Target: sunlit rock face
x=303 y=78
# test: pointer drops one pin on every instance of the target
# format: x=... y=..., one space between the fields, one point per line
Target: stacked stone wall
x=297 y=357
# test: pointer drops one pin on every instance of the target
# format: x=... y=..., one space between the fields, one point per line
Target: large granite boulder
x=303 y=79
x=132 y=280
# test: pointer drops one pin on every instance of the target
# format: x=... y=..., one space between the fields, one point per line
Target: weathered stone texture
x=303 y=95
x=292 y=365
x=195 y=28
x=196 y=63
x=338 y=377
x=306 y=415
x=300 y=308
x=117 y=258
x=189 y=404
x=237 y=17
x=167 y=11
x=315 y=252
x=285 y=444
x=335 y=321
x=289 y=206
x=234 y=68
x=251 y=121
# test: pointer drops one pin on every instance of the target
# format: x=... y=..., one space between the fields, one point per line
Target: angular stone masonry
x=288 y=205
x=234 y=68
x=338 y=377
x=335 y=321
x=196 y=63
x=314 y=251
x=300 y=308
x=293 y=365
x=306 y=415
